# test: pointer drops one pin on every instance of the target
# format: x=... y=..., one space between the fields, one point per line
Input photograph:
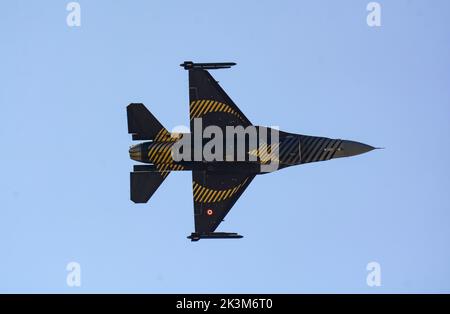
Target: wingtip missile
x=195 y=236
x=189 y=65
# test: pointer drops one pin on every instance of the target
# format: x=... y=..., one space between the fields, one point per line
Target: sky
x=309 y=67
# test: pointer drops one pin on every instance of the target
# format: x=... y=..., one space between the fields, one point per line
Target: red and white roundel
x=209 y=212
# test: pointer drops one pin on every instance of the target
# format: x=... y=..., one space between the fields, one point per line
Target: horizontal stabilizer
x=142 y=124
x=144 y=183
x=140 y=168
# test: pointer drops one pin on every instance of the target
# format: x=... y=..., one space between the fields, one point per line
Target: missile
x=214 y=235
x=188 y=65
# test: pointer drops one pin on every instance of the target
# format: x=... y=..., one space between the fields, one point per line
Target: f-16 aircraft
x=220 y=178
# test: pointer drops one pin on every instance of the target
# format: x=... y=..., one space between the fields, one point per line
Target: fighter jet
x=219 y=174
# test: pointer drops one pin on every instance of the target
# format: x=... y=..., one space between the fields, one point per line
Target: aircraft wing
x=214 y=195
x=209 y=102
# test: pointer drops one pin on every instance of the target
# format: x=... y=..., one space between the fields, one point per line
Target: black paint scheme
x=218 y=183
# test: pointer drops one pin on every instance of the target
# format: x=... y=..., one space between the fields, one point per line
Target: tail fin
x=143 y=125
x=144 y=182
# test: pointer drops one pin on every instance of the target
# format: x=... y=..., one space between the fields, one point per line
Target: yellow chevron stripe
x=201 y=107
x=158 y=135
x=209 y=199
x=273 y=150
x=162 y=134
x=208 y=108
x=161 y=173
x=222 y=195
x=207 y=191
x=196 y=194
x=262 y=151
x=214 y=106
x=210 y=192
x=217 y=196
x=205 y=195
x=202 y=193
x=155 y=156
x=205 y=108
x=198 y=105
x=192 y=106
x=149 y=151
x=268 y=153
x=196 y=190
x=272 y=155
x=160 y=158
x=152 y=152
x=198 y=108
x=167 y=156
x=226 y=195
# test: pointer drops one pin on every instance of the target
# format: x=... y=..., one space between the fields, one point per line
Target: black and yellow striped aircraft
x=219 y=181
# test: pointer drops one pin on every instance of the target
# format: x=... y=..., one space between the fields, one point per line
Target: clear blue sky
x=311 y=67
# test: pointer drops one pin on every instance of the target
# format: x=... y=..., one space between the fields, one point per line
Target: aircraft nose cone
x=352 y=148
x=135 y=152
